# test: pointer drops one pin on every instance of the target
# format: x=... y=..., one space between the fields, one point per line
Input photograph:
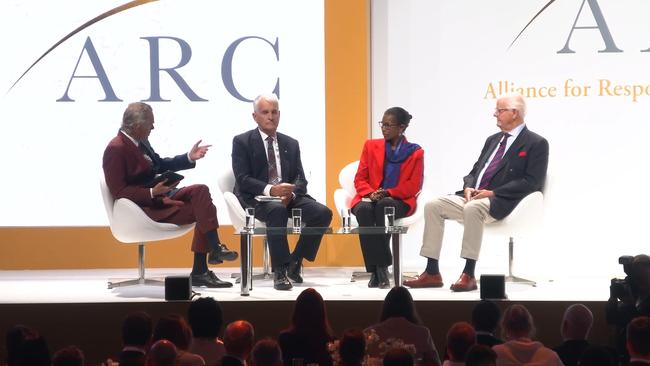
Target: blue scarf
x=393 y=161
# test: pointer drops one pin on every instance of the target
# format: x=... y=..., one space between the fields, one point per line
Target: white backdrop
x=438 y=60
x=53 y=150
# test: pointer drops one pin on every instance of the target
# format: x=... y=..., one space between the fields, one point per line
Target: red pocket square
x=522 y=154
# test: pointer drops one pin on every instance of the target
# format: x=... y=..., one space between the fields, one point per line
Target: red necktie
x=273 y=167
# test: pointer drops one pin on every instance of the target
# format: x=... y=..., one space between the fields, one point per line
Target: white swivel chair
x=524 y=220
x=344 y=195
x=226 y=182
x=129 y=224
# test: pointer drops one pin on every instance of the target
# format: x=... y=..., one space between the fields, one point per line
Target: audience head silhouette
x=162 y=353
x=137 y=329
x=352 y=347
x=239 y=338
x=266 y=352
x=399 y=303
x=485 y=316
x=577 y=322
x=174 y=329
x=517 y=323
x=460 y=338
x=205 y=317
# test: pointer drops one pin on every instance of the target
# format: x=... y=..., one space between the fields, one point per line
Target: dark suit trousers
x=375 y=248
x=274 y=214
x=198 y=208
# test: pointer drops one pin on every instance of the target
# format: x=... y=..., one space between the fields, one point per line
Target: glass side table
x=246 y=242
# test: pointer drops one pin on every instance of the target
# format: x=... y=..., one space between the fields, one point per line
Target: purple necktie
x=273 y=167
x=492 y=168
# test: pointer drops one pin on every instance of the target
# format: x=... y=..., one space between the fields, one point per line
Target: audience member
x=352 y=347
x=309 y=333
x=460 y=338
x=136 y=337
x=480 y=355
x=175 y=329
x=398 y=357
x=206 y=318
x=266 y=352
x=519 y=349
x=14 y=339
x=576 y=324
x=31 y=348
x=399 y=319
x=162 y=353
x=238 y=339
x=638 y=341
x=485 y=320
x=595 y=355
x=68 y=356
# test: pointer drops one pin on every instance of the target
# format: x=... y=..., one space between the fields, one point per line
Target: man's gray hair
x=268 y=97
x=515 y=101
x=135 y=114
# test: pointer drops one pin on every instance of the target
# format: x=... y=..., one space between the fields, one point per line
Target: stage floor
x=90 y=286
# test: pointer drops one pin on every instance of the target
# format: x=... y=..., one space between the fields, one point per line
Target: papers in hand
x=262 y=198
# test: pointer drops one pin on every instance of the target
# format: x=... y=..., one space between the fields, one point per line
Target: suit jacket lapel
x=135 y=152
x=284 y=158
x=516 y=146
x=261 y=164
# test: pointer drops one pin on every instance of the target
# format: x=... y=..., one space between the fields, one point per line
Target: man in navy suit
x=266 y=162
x=511 y=165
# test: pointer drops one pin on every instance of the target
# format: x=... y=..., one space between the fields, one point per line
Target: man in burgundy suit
x=511 y=166
x=130 y=164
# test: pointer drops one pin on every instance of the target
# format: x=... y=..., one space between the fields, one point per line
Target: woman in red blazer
x=389 y=175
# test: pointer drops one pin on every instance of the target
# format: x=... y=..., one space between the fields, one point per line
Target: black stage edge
x=95 y=327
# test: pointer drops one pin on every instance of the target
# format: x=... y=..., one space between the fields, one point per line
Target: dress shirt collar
x=130 y=138
x=515 y=132
x=264 y=135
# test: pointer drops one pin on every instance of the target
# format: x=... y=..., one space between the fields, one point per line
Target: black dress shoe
x=373 y=280
x=382 y=277
x=294 y=271
x=208 y=279
x=217 y=256
x=280 y=280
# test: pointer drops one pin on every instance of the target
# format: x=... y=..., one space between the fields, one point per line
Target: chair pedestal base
x=137 y=281
x=360 y=275
x=140 y=280
x=255 y=276
x=515 y=279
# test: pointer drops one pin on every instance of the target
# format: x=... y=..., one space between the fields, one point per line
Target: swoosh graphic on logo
x=535 y=17
x=119 y=9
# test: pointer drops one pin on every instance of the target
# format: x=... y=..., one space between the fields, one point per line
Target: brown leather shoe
x=425 y=280
x=465 y=283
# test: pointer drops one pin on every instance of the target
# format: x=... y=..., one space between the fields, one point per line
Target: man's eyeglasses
x=385 y=126
x=501 y=110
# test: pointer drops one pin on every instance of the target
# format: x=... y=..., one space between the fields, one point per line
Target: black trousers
x=275 y=214
x=375 y=248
